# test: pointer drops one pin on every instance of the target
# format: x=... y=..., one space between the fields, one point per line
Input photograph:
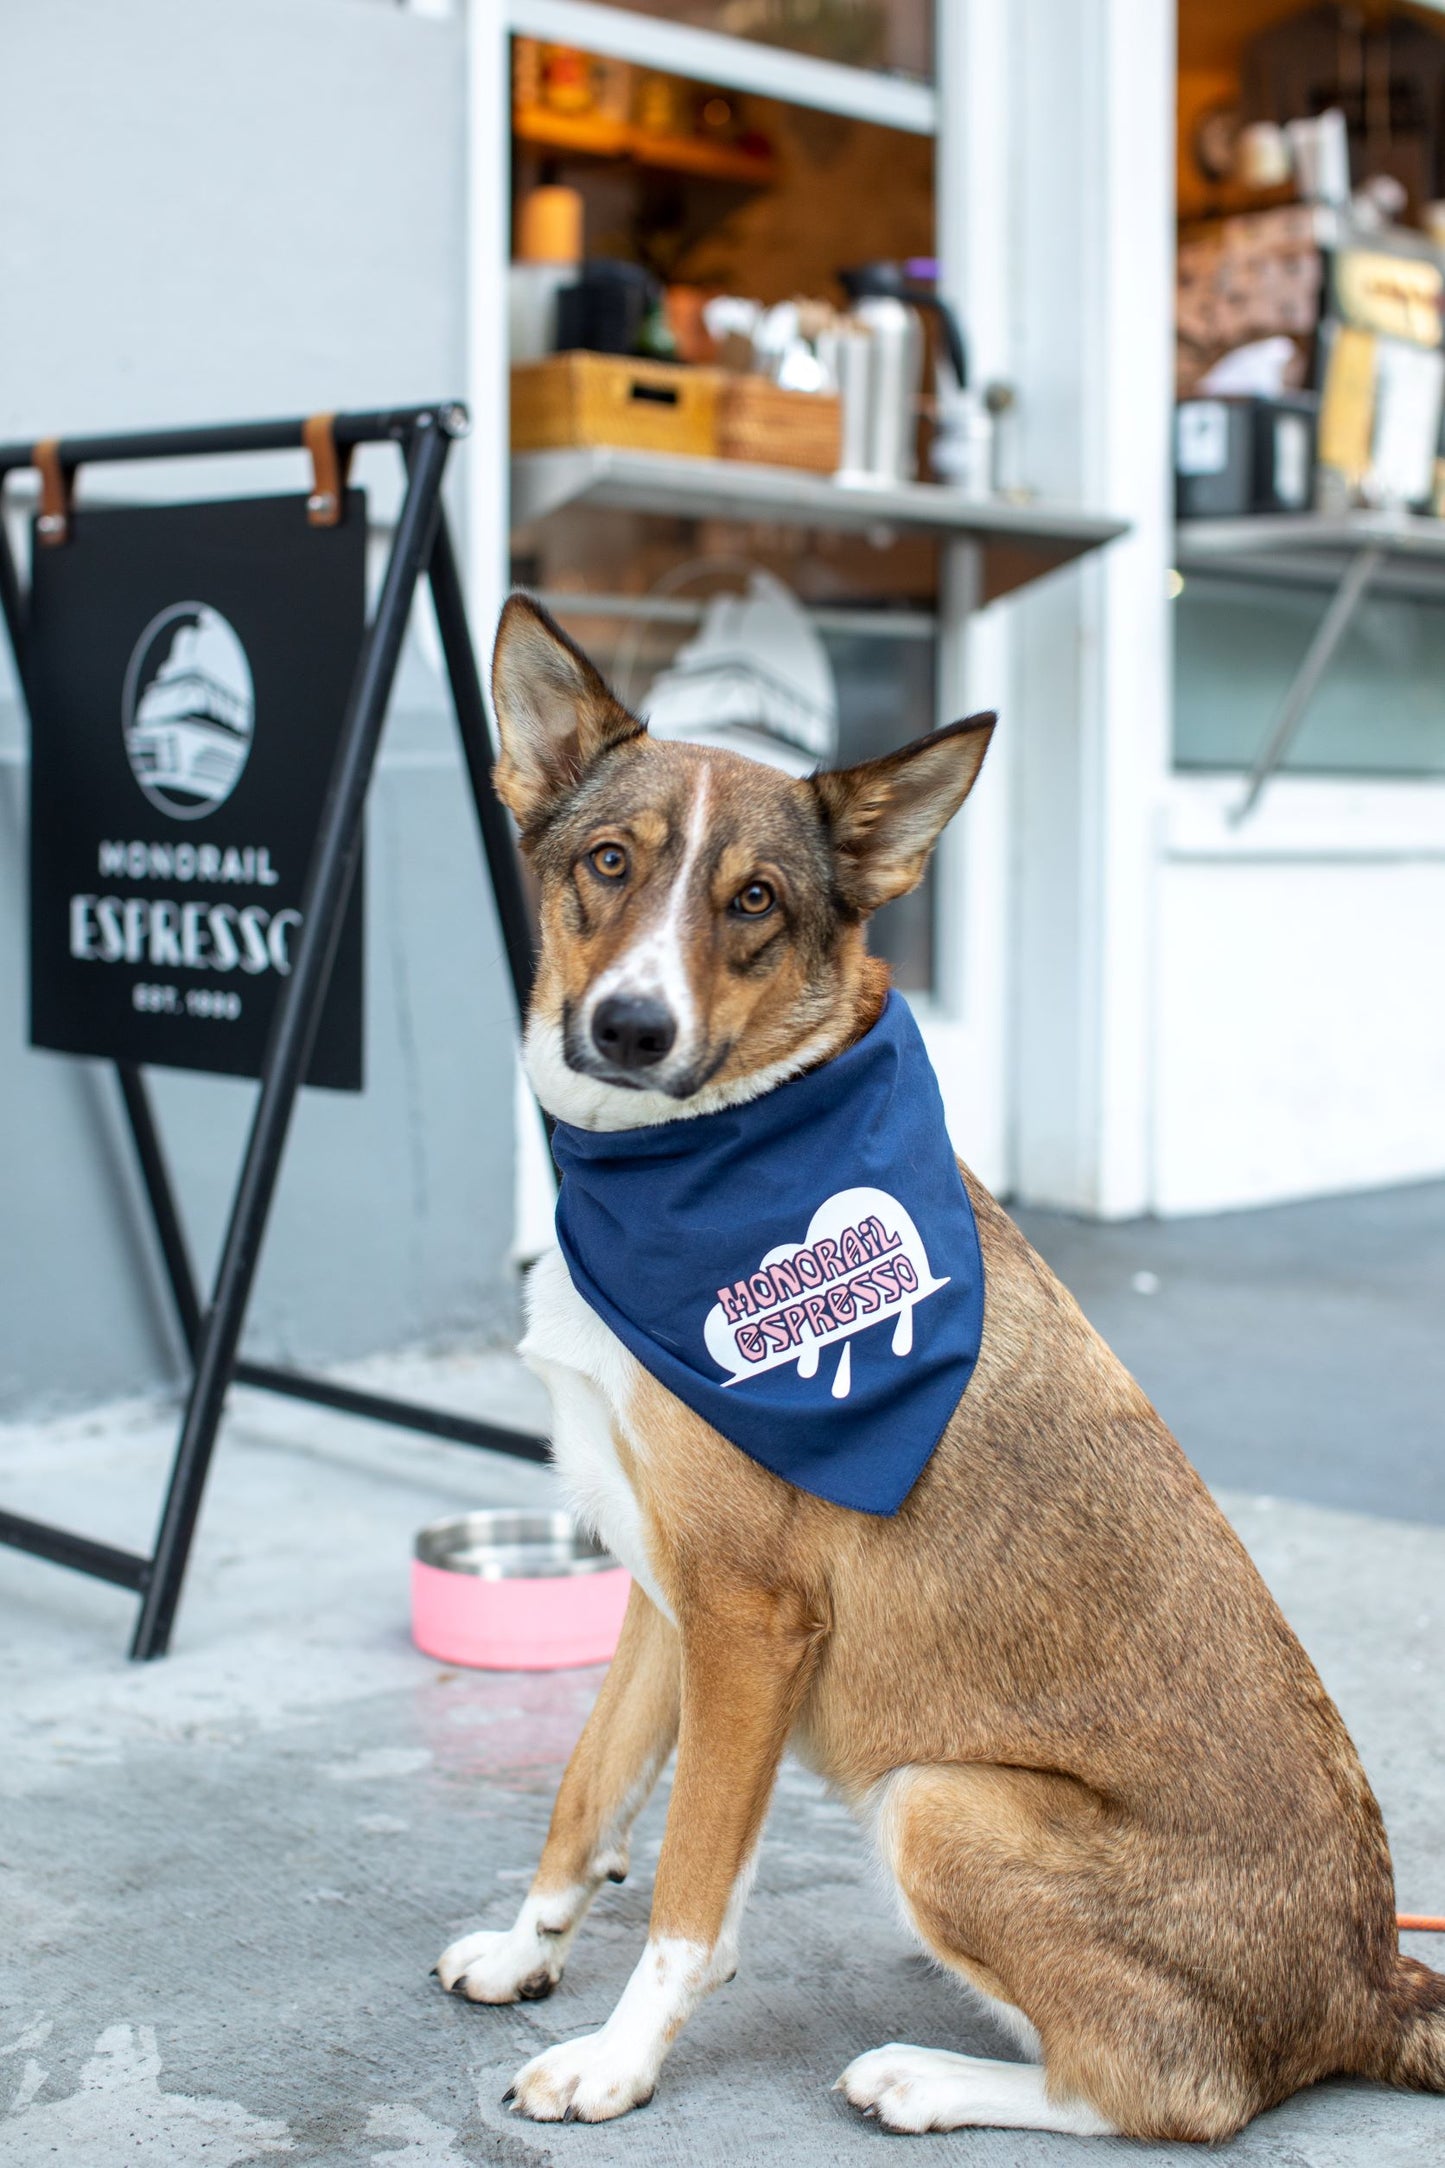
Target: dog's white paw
x=517 y=1966
x=916 y=2089
x=584 y=2081
x=894 y=2084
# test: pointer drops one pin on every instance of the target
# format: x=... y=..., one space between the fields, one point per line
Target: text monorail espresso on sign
x=190 y=666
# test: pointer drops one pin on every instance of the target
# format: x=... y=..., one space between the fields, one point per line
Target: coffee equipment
x=548 y=252
x=607 y=308
x=878 y=363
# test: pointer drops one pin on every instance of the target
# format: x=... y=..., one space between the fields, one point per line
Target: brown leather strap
x=53 y=525
x=330 y=465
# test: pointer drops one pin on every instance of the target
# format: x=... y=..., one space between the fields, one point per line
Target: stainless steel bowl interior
x=512 y=1546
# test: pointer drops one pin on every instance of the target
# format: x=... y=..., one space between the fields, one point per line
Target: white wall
x=230 y=210
x=1301 y=1032
x=235 y=208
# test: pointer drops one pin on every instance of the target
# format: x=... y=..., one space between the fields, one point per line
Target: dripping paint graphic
x=861 y=1261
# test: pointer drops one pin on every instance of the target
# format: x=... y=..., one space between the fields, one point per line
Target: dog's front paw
x=518 y=1966
x=582 y=2081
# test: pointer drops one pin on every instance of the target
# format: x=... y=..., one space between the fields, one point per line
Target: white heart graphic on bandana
x=862 y=1260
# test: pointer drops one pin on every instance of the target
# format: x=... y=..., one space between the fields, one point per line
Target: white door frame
x=966 y=1024
x=1091 y=102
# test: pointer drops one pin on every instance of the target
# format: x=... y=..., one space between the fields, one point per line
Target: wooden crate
x=761 y=422
x=642 y=406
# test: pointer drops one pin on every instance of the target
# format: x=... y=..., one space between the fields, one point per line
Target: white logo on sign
x=861 y=1260
x=188 y=710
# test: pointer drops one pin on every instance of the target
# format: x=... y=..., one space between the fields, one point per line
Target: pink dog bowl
x=515 y=1592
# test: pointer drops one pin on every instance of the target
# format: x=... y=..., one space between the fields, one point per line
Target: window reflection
x=1375 y=712
x=894 y=37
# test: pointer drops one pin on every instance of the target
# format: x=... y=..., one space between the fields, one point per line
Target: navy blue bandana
x=803 y=1271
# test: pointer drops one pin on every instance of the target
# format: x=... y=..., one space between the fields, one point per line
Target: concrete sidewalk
x=1299 y=1351
x=223 y=1878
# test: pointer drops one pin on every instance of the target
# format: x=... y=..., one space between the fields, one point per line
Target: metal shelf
x=1017 y=542
x=1351 y=554
x=588 y=135
x=1313 y=548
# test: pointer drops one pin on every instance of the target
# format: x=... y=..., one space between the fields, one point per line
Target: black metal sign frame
x=211 y=1331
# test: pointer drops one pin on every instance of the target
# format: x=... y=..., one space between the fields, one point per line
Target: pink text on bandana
x=861 y=1260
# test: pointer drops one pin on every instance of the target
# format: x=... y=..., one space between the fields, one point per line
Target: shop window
x=1311 y=379
x=724 y=193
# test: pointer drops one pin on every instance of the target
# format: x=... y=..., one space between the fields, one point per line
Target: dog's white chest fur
x=590 y=1376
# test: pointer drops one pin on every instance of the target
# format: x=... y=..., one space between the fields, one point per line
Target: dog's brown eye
x=754 y=901
x=610 y=860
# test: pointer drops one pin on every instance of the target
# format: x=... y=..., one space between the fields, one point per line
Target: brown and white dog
x=1114 y=1796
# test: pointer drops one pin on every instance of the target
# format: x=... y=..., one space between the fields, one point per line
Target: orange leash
x=1420 y=1923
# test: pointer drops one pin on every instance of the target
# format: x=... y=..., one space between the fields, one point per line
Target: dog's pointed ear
x=884 y=816
x=554 y=712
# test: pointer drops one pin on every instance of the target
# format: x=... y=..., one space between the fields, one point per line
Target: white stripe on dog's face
x=654 y=967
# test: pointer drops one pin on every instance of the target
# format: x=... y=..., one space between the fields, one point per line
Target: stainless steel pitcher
x=879 y=367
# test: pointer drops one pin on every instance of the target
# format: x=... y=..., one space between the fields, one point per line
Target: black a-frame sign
x=185 y=726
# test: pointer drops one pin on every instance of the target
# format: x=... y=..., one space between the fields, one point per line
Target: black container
x=1234 y=456
x=604 y=312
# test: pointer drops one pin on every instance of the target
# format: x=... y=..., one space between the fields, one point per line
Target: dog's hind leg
x=916 y=2089
x=614 y=1765
x=1006 y=1875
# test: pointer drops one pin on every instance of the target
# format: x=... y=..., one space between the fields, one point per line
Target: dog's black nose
x=632 y=1031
